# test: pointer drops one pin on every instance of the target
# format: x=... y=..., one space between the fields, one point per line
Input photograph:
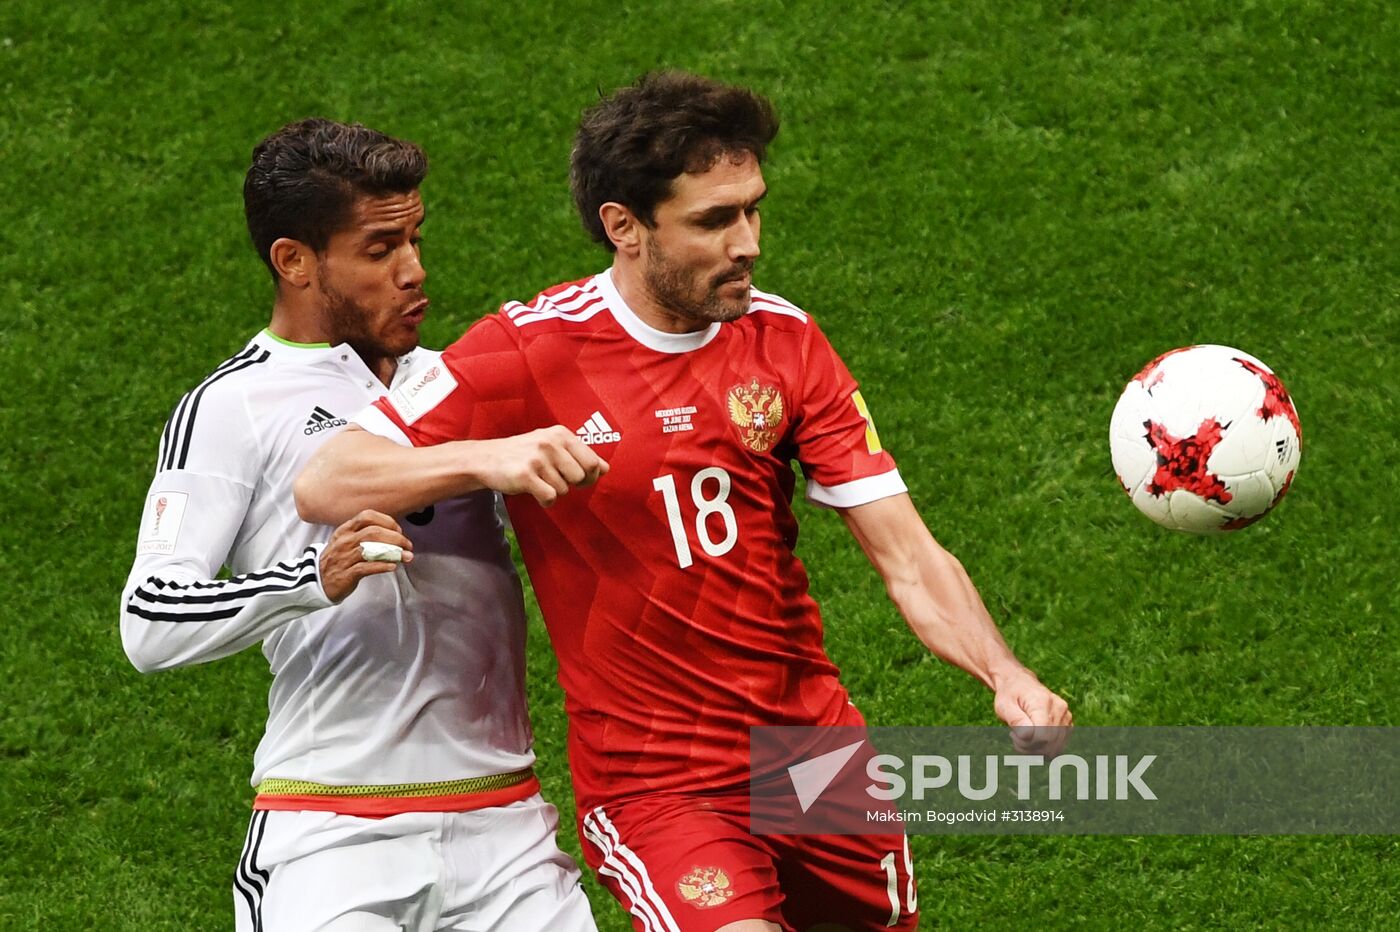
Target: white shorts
x=489 y=869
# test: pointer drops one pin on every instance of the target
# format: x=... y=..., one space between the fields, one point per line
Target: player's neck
x=631 y=285
x=296 y=322
x=307 y=327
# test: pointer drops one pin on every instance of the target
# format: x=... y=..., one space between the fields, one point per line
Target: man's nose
x=744 y=245
x=411 y=272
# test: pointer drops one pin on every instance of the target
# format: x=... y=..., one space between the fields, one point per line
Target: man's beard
x=678 y=292
x=350 y=322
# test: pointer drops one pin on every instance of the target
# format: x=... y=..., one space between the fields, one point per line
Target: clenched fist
x=544 y=464
x=1040 y=720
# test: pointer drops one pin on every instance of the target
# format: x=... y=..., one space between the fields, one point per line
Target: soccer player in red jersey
x=673 y=596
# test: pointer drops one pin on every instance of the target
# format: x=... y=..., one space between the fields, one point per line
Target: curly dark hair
x=307 y=176
x=633 y=144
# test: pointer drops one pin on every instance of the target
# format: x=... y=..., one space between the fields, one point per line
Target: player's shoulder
x=209 y=409
x=232 y=377
x=563 y=306
x=774 y=312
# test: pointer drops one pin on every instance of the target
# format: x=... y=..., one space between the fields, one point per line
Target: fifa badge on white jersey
x=160 y=525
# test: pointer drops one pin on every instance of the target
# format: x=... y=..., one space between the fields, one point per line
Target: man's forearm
x=937 y=598
x=943 y=609
x=932 y=590
x=357 y=470
x=169 y=618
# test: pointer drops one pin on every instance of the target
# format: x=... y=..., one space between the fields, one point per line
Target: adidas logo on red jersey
x=597 y=430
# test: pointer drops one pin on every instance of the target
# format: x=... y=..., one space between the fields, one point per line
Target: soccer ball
x=1205 y=439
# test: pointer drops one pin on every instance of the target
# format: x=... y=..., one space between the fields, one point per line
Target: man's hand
x=342 y=566
x=1040 y=720
x=544 y=464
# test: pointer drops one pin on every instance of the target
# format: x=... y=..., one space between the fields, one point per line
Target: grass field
x=998 y=211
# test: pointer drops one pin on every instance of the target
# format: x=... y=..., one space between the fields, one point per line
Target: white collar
x=302 y=352
x=644 y=333
x=342 y=354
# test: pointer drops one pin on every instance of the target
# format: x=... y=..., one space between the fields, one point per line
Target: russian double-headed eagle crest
x=757 y=410
x=704 y=887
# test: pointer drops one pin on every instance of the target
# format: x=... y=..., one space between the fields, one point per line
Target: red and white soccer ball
x=1205 y=439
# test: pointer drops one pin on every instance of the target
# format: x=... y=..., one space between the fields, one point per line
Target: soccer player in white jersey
x=394 y=781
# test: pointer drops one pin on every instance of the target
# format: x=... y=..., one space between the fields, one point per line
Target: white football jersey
x=417 y=677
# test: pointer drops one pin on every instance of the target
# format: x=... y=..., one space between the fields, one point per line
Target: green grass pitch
x=998 y=211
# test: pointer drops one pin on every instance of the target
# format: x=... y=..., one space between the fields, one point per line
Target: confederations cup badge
x=704 y=887
x=757 y=410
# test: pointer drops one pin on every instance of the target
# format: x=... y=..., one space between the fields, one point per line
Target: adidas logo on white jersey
x=597 y=430
x=320 y=420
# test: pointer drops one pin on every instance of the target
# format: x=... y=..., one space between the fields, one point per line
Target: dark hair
x=631 y=145
x=306 y=177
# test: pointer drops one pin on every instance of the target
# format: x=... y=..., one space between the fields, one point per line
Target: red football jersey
x=675 y=602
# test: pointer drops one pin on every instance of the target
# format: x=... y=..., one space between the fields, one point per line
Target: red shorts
x=689 y=864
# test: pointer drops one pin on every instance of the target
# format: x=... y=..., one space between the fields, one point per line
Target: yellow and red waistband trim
x=377 y=801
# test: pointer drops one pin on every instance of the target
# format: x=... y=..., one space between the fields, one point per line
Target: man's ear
x=294 y=262
x=622 y=227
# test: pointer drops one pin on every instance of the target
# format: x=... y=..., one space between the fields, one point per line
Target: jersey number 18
x=705 y=505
